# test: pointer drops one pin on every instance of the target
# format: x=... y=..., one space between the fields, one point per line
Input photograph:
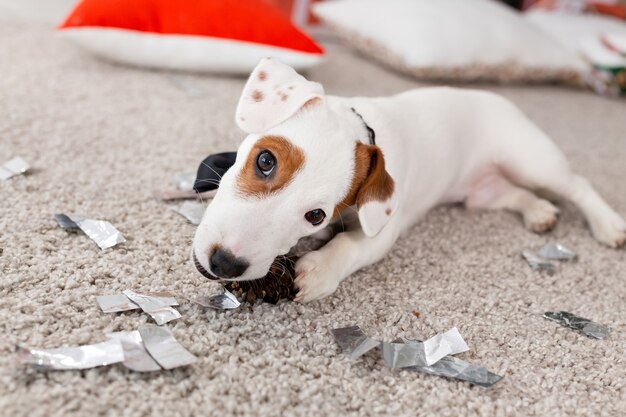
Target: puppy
x=311 y=159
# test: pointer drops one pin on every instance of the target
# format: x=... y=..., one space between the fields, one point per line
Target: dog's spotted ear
x=376 y=197
x=274 y=92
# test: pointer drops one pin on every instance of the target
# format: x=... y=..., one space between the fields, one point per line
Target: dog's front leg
x=318 y=273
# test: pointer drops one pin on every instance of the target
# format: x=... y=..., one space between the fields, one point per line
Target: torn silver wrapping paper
x=554 y=250
x=452 y=367
x=164 y=348
x=115 y=303
x=538 y=263
x=79 y=357
x=121 y=302
x=224 y=301
x=136 y=357
x=185 y=181
x=100 y=231
x=353 y=342
x=157 y=307
x=586 y=326
x=444 y=344
x=192 y=211
x=13 y=167
x=429 y=352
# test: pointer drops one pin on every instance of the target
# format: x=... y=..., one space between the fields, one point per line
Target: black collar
x=370 y=131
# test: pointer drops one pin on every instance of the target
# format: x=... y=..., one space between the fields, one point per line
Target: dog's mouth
x=202 y=270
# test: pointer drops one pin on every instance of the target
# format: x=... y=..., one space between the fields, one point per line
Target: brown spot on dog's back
x=388 y=211
x=289 y=160
x=257 y=96
x=262 y=76
x=283 y=96
x=370 y=182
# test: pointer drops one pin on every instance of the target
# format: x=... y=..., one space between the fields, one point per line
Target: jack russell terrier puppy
x=310 y=159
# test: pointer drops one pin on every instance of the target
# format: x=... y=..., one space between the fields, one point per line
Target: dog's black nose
x=225 y=265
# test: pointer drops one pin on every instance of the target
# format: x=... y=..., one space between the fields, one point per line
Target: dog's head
x=301 y=164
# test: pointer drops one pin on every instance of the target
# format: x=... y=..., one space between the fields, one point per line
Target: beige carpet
x=102 y=138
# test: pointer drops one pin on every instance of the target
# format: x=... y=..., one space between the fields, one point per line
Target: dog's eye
x=266 y=162
x=315 y=217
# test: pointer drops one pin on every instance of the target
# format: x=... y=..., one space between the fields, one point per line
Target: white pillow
x=464 y=40
x=582 y=34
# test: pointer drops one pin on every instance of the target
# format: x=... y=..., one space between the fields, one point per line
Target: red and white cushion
x=195 y=35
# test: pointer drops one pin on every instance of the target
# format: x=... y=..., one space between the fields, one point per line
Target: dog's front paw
x=610 y=230
x=314 y=278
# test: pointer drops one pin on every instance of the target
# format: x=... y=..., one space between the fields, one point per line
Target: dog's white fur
x=440 y=145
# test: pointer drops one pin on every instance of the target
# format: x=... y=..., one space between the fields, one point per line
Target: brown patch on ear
x=262 y=76
x=257 y=96
x=289 y=160
x=371 y=182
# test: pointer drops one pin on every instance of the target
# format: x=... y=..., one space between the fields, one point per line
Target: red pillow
x=198 y=35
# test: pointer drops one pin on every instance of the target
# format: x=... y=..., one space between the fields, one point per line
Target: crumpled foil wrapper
x=159 y=308
x=80 y=357
x=136 y=357
x=164 y=348
x=586 y=326
x=432 y=356
x=115 y=303
x=192 y=211
x=100 y=231
x=556 y=251
x=13 y=167
x=224 y=301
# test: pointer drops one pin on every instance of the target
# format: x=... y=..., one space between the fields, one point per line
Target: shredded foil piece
x=192 y=211
x=556 y=251
x=353 y=342
x=136 y=357
x=431 y=357
x=13 y=167
x=164 y=348
x=185 y=181
x=586 y=326
x=115 y=303
x=538 y=263
x=451 y=367
x=157 y=307
x=100 y=231
x=80 y=357
x=224 y=301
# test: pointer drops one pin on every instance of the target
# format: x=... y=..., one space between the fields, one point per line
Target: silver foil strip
x=136 y=357
x=429 y=352
x=192 y=211
x=452 y=367
x=66 y=221
x=555 y=250
x=444 y=344
x=403 y=355
x=164 y=348
x=353 y=342
x=224 y=301
x=115 y=303
x=100 y=231
x=185 y=181
x=586 y=326
x=79 y=357
x=13 y=167
x=157 y=307
x=538 y=263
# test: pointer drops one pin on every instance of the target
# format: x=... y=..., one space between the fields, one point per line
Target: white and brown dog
x=309 y=158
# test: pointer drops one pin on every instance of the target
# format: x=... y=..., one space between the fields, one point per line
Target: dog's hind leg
x=496 y=192
x=531 y=160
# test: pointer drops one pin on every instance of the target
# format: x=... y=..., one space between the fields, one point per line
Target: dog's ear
x=274 y=92
x=376 y=197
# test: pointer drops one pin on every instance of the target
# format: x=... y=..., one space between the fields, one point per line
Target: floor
x=103 y=138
